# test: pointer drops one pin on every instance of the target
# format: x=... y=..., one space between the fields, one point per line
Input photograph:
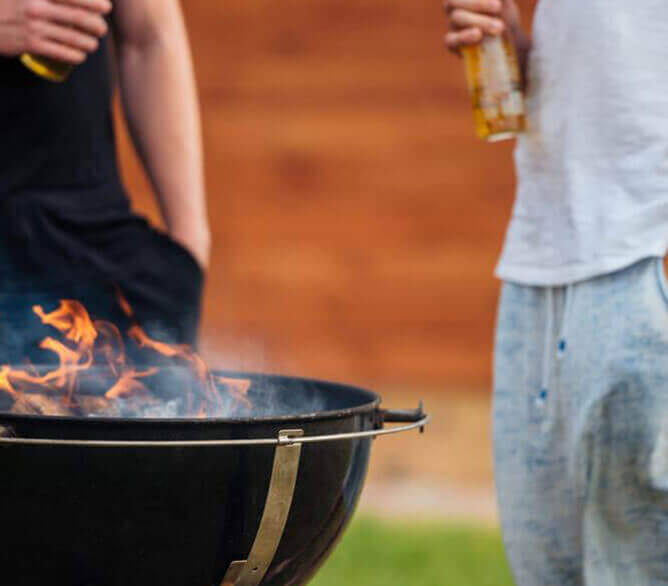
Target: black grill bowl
x=76 y=515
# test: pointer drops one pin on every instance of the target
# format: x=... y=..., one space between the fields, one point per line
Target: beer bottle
x=494 y=81
x=46 y=67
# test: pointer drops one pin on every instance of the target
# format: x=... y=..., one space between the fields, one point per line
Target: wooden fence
x=356 y=218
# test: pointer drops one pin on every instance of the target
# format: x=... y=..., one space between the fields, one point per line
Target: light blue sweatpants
x=581 y=429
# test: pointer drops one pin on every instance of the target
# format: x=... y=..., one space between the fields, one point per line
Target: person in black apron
x=66 y=227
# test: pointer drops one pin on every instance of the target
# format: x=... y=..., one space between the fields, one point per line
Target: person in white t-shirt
x=581 y=358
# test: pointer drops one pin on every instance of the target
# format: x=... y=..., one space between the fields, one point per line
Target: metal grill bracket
x=250 y=572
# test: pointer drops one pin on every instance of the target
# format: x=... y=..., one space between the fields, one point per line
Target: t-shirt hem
x=566 y=275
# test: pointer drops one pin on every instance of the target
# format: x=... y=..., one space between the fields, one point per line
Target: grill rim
x=370 y=406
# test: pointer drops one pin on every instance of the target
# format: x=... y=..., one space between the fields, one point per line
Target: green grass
x=387 y=553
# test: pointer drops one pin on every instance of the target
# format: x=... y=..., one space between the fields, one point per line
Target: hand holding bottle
x=488 y=34
x=471 y=20
x=62 y=30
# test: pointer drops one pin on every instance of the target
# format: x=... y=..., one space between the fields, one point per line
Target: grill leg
x=250 y=572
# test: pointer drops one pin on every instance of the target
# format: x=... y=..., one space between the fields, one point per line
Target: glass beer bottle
x=494 y=81
x=47 y=68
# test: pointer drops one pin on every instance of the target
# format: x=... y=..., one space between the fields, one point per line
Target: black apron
x=66 y=228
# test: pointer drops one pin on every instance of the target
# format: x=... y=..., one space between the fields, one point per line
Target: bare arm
x=471 y=20
x=160 y=102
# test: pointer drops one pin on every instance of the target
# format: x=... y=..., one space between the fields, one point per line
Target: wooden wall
x=356 y=217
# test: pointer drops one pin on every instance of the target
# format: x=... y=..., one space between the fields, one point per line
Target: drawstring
x=547 y=345
x=565 y=322
x=548 y=350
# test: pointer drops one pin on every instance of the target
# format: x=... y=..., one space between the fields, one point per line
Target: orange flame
x=5 y=383
x=128 y=384
x=72 y=320
x=90 y=343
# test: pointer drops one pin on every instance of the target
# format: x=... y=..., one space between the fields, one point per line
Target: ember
x=94 y=375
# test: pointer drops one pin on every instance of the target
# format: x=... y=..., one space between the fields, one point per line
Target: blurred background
x=356 y=222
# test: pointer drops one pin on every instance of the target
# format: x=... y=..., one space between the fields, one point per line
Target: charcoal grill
x=240 y=501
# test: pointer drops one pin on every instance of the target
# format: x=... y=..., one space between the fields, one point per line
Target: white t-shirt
x=593 y=168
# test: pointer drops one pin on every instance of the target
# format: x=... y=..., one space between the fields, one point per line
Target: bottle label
x=513 y=104
x=499 y=80
x=495 y=72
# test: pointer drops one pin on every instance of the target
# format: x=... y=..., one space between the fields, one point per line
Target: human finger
x=456 y=40
x=481 y=6
x=38 y=45
x=97 y=6
x=78 y=18
x=463 y=19
x=66 y=35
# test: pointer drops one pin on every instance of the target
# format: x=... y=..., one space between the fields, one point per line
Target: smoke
x=175 y=392
x=166 y=382
x=268 y=396
x=273 y=397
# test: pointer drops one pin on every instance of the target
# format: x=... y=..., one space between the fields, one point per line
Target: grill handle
x=402 y=415
x=415 y=419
